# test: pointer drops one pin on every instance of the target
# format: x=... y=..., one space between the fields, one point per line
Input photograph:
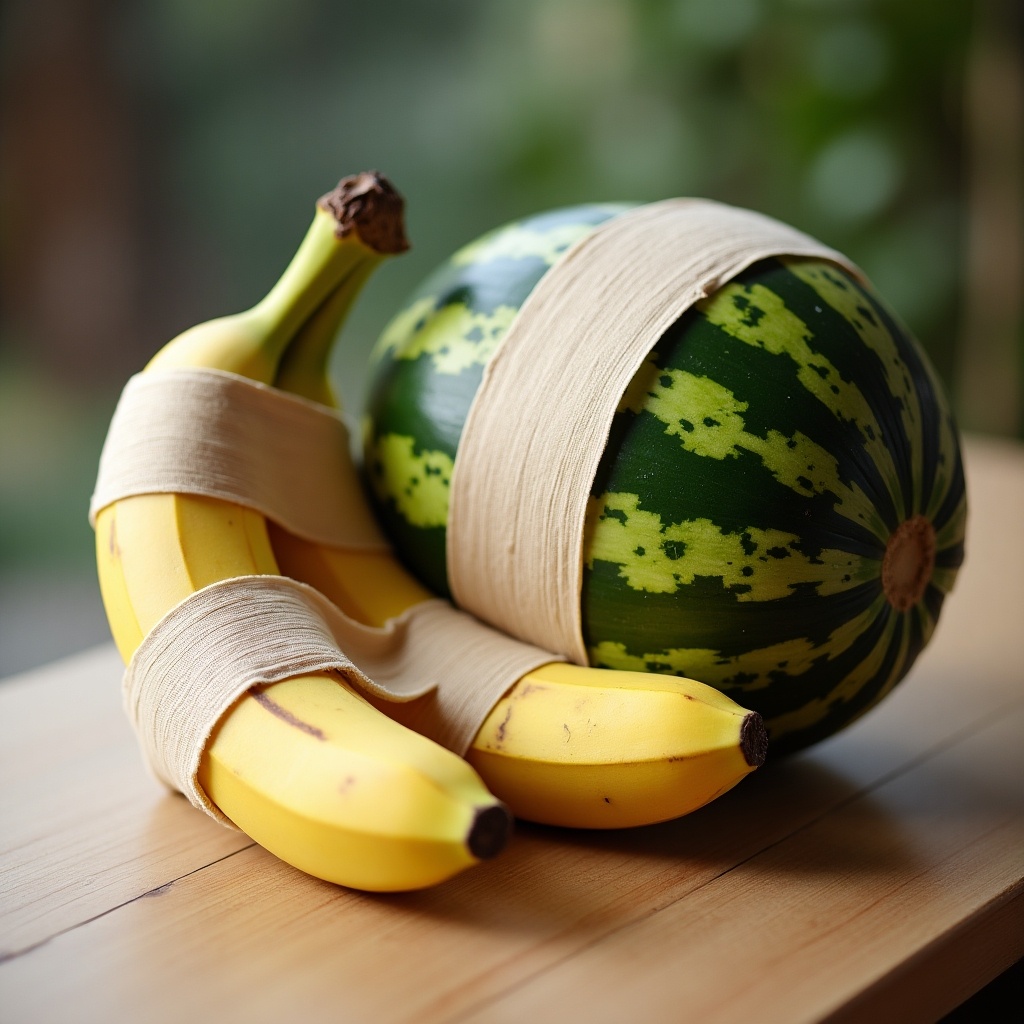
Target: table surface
x=877 y=876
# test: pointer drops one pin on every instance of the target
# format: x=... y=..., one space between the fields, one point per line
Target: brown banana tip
x=754 y=740
x=490 y=831
x=369 y=205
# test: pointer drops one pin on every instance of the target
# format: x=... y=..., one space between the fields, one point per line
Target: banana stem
x=356 y=224
x=322 y=260
x=367 y=206
x=303 y=369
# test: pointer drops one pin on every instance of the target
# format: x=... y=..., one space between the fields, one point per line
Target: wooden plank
x=425 y=956
x=947 y=971
x=799 y=931
x=565 y=928
x=83 y=828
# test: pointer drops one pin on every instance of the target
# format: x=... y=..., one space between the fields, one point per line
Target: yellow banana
x=306 y=767
x=567 y=745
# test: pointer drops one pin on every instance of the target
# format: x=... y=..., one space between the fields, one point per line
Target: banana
x=597 y=748
x=567 y=745
x=306 y=767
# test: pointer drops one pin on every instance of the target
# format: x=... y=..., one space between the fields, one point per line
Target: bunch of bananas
x=323 y=776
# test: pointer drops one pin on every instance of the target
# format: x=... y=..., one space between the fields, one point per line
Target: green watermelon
x=780 y=508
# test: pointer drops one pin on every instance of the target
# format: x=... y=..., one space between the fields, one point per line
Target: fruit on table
x=307 y=767
x=566 y=745
x=409 y=814
x=780 y=508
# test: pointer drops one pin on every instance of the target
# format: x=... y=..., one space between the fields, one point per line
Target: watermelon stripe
x=852 y=696
x=659 y=557
x=953 y=510
x=707 y=419
x=905 y=646
x=918 y=626
x=951 y=557
x=932 y=600
x=745 y=494
x=757 y=316
x=849 y=667
x=453 y=336
x=709 y=616
x=545 y=238
x=908 y=646
x=840 y=343
x=948 y=478
x=800 y=660
x=953 y=531
x=937 y=452
x=943 y=470
x=841 y=294
x=760 y=381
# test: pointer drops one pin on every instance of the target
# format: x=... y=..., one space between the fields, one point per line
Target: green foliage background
x=843 y=117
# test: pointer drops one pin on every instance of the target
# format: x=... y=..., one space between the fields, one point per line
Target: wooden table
x=876 y=877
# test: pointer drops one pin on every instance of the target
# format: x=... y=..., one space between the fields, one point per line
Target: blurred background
x=161 y=158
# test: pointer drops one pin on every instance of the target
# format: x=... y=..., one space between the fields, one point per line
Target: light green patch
x=680 y=661
x=454 y=336
x=754 y=668
x=761 y=565
x=757 y=316
x=518 y=242
x=418 y=483
x=401 y=327
x=707 y=419
x=641 y=384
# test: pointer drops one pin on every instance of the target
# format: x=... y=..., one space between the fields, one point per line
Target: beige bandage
x=209 y=432
x=212 y=433
x=241 y=632
x=540 y=420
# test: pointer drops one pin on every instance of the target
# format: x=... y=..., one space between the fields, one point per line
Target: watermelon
x=779 y=510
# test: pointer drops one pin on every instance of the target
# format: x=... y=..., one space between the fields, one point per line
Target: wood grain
x=797 y=931
x=879 y=872
x=83 y=828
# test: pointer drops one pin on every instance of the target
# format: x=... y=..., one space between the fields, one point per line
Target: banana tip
x=753 y=740
x=490 y=831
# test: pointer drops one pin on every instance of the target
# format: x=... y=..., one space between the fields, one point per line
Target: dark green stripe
x=837 y=339
x=775 y=401
x=704 y=614
x=934 y=406
x=845 y=711
x=791 y=693
x=951 y=557
x=420 y=549
x=735 y=493
x=933 y=599
x=957 y=486
x=414 y=401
